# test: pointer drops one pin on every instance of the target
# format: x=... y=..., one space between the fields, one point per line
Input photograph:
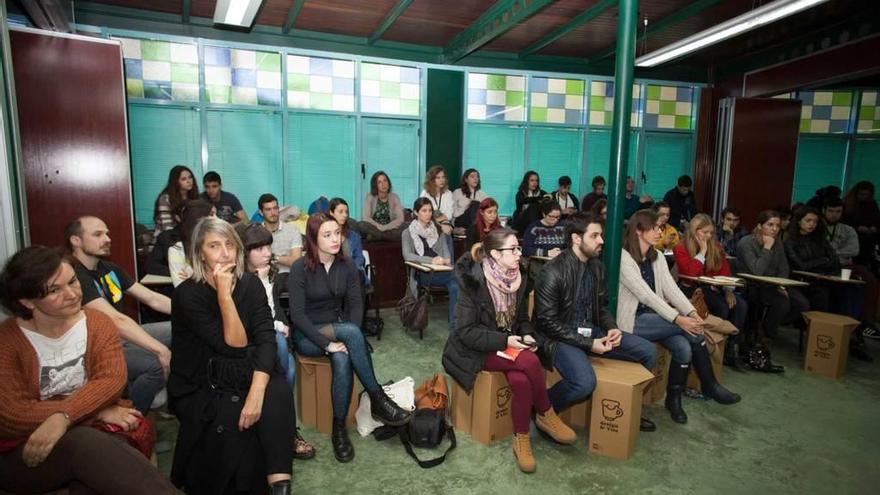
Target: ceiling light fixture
x=728 y=29
x=239 y=13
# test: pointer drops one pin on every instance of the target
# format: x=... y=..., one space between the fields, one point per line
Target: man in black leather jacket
x=571 y=316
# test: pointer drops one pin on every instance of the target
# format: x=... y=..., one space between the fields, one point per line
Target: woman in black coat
x=493 y=333
x=237 y=420
x=528 y=199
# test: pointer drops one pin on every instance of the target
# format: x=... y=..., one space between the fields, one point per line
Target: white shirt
x=62 y=360
x=442 y=204
x=178 y=263
x=284 y=239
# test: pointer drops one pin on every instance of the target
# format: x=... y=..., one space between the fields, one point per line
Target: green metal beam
x=184 y=16
x=392 y=16
x=292 y=14
x=496 y=21
x=576 y=22
x=680 y=15
x=623 y=78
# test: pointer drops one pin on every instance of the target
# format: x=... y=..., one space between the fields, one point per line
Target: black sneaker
x=870 y=332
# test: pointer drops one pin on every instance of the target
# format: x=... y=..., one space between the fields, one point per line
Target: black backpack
x=426 y=429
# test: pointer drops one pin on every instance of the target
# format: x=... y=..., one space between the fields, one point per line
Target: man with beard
x=104 y=284
x=286 y=238
x=572 y=317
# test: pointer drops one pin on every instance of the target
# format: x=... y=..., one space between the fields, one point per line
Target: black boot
x=709 y=385
x=342 y=448
x=386 y=410
x=281 y=487
x=678 y=373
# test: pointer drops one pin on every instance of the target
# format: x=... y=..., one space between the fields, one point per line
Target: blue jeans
x=357 y=360
x=718 y=306
x=579 y=379
x=652 y=327
x=442 y=279
x=145 y=375
x=285 y=358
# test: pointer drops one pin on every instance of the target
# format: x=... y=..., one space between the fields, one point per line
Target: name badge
x=585 y=331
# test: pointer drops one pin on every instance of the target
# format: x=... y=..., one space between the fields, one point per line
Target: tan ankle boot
x=522 y=450
x=552 y=425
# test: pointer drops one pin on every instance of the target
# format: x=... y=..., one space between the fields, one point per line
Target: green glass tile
x=156 y=50
x=597 y=103
x=538 y=114
x=496 y=81
x=841 y=98
x=409 y=107
x=218 y=94
x=866 y=113
x=667 y=107
x=186 y=73
x=134 y=88
x=574 y=87
x=269 y=61
x=297 y=82
x=515 y=98
x=609 y=117
x=682 y=122
x=805 y=125
x=370 y=72
x=389 y=89
x=653 y=92
x=321 y=101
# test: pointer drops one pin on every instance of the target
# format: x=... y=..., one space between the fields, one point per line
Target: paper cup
x=845 y=273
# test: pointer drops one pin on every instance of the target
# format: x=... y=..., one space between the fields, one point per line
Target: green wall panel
x=820 y=162
x=865 y=163
x=556 y=151
x=667 y=156
x=321 y=158
x=445 y=122
x=599 y=156
x=392 y=146
x=498 y=152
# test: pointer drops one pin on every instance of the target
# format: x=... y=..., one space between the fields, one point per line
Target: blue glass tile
x=268 y=97
x=134 y=69
x=650 y=120
x=215 y=55
x=574 y=117
x=343 y=86
x=477 y=96
x=821 y=112
x=244 y=78
x=321 y=67
x=539 y=84
x=409 y=75
x=555 y=101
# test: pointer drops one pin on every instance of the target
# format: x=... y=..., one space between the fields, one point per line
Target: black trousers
x=781 y=307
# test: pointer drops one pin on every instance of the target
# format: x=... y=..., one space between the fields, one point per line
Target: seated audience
x=730 y=232
x=180 y=188
x=493 y=318
x=466 y=199
x=567 y=201
x=104 y=286
x=383 y=212
x=823 y=194
x=178 y=265
x=784 y=221
x=286 y=237
x=598 y=193
x=650 y=305
x=528 y=197
x=326 y=309
x=157 y=259
x=761 y=253
x=424 y=242
x=572 y=319
x=701 y=255
x=486 y=221
x=228 y=206
x=545 y=237
x=600 y=209
x=808 y=249
x=437 y=191
x=224 y=351
x=260 y=261
x=632 y=202
x=682 y=206
x=63 y=424
x=861 y=213
x=669 y=236
x=352 y=247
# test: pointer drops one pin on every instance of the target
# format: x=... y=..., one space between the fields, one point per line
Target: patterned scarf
x=502 y=285
x=416 y=231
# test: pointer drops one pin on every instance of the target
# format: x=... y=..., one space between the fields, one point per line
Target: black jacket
x=476 y=334
x=680 y=207
x=812 y=254
x=527 y=210
x=555 y=296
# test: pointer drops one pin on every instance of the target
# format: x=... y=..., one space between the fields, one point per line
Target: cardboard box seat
x=827 y=342
x=485 y=412
x=313 y=396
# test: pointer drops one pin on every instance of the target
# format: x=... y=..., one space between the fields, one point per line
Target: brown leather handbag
x=413 y=310
x=698 y=299
x=433 y=393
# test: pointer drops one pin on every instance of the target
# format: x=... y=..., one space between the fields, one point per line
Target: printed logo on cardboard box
x=824 y=342
x=611 y=411
x=502 y=400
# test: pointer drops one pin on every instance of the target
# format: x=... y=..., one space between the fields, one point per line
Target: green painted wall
x=445 y=122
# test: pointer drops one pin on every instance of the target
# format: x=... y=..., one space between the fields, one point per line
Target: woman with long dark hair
x=493 y=318
x=650 y=305
x=808 y=249
x=383 y=212
x=486 y=221
x=326 y=309
x=181 y=187
x=528 y=196
x=466 y=199
x=237 y=419
x=352 y=247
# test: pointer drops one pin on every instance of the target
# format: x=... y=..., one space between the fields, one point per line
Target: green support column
x=623 y=80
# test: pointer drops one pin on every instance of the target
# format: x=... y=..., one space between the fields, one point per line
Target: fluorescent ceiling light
x=728 y=29
x=236 y=12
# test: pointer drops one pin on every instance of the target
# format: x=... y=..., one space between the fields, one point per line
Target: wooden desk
x=779 y=281
x=428 y=267
x=829 y=278
x=151 y=279
x=720 y=281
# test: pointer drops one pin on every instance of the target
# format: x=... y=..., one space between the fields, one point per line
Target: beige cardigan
x=666 y=299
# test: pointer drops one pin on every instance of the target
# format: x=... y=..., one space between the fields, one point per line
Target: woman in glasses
x=494 y=333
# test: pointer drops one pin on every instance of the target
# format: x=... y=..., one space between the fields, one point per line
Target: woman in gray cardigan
x=650 y=305
x=424 y=242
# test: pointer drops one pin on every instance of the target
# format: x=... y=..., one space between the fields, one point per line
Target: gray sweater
x=751 y=257
x=844 y=240
x=666 y=299
x=409 y=254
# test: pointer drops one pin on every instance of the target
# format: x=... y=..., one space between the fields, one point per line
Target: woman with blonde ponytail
x=493 y=333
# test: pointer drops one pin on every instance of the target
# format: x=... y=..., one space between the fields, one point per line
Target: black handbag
x=413 y=310
x=426 y=429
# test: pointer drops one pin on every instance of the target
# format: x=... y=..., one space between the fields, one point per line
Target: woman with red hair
x=487 y=220
x=326 y=309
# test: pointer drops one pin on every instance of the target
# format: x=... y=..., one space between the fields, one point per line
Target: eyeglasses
x=515 y=249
